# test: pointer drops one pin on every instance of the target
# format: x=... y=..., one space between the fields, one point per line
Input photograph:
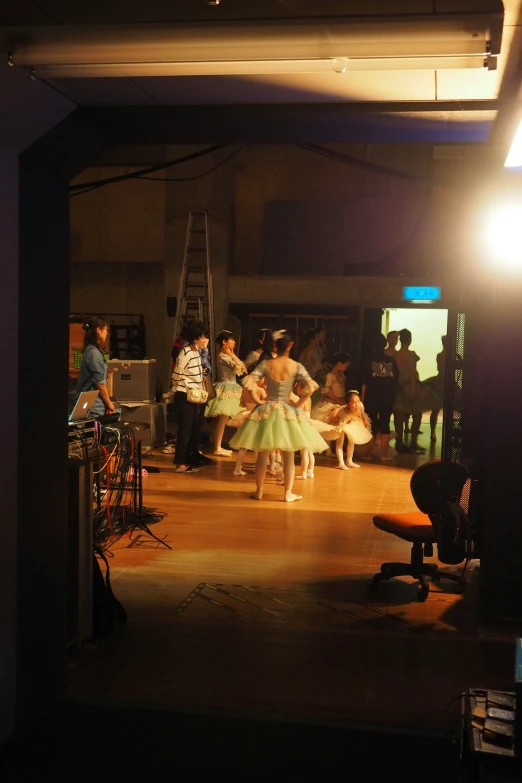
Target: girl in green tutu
x=276 y=423
x=227 y=401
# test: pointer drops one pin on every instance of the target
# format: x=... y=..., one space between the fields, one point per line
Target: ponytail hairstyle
x=223 y=336
x=91 y=327
x=267 y=343
x=341 y=358
x=281 y=341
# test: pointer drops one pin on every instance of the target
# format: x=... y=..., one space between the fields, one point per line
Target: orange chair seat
x=410 y=526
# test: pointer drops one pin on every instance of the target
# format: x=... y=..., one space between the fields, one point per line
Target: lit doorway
x=427 y=326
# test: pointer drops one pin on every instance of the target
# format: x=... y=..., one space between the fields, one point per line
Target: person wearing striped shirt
x=188 y=374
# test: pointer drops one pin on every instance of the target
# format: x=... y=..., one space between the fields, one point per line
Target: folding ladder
x=196 y=296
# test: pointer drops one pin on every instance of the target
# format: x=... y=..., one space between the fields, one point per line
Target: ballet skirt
x=227 y=401
x=323 y=408
x=352 y=425
x=276 y=424
x=426 y=398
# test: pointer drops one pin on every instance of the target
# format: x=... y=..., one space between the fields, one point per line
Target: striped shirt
x=188 y=373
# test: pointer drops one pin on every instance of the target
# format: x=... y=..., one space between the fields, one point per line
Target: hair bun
x=86 y=326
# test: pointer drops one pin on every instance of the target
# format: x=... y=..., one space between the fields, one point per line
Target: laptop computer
x=82 y=406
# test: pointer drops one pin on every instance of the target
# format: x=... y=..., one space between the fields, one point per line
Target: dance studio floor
x=261 y=609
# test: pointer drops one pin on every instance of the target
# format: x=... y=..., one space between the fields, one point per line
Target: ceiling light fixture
x=233 y=48
x=340 y=65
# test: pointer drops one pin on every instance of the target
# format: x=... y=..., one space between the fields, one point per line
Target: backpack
x=452 y=533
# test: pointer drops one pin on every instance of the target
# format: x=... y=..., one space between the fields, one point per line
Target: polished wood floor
x=262 y=608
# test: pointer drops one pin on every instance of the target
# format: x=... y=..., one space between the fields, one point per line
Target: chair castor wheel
x=372 y=584
x=422 y=594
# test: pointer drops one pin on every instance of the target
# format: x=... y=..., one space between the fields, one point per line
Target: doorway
x=427 y=326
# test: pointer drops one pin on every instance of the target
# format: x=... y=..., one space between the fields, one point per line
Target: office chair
x=431 y=485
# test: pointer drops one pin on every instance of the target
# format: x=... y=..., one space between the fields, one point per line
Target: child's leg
x=261 y=462
x=289 y=473
x=219 y=429
x=239 y=463
x=304 y=464
x=311 y=463
x=272 y=463
x=339 y=452
x=415 y=427
x=434 y=417
x=349 y=454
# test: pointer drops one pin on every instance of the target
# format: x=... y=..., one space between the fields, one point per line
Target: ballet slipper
x=222 y=453
x=353 y=464
x=239 y=473
x=302 y=476
x=291 y=498
x=310 y=474
x=256 y=496
x=342 y=466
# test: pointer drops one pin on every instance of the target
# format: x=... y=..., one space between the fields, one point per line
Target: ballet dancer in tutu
x=329 y=408
x=248 y=404
x=350 y=421
x=307 y=455
x=227 y=401
x=276 y=423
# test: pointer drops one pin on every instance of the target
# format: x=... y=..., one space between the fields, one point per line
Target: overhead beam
x=431 y=121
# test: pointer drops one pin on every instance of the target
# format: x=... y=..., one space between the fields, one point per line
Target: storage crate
x=134 y=379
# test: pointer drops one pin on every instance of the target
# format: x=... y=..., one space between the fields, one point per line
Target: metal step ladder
x=196 y=296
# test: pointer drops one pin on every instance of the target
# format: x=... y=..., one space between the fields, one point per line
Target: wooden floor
x=262 y=608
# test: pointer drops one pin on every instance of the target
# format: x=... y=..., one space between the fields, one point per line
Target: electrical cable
x=143 y=172
x=196 y=176
x=118 y=515
x=341 y=157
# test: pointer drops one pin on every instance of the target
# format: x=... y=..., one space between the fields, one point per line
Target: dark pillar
x=8 y=406
x=501 y=475
x=45 y=171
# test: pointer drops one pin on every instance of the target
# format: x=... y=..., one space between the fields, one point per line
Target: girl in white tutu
x=227 y=401
x=333 y=398
x=276 y=423
x=333 y=394
x=351 y=422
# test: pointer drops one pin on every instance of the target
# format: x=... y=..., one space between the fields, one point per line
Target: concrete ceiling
x=458 y=97
x=413 y=84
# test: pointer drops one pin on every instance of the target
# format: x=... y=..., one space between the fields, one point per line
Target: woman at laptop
x=93 y=370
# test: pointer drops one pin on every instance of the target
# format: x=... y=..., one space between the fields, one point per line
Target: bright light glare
x=514 y=158
x=502 y=229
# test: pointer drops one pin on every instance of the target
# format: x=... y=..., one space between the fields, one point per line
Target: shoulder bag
x=197 y=395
